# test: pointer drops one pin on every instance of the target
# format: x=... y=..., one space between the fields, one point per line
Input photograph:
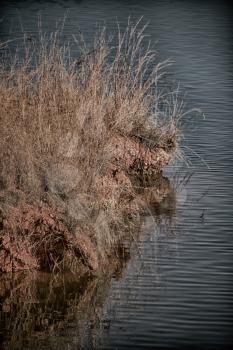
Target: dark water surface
x=177 y=289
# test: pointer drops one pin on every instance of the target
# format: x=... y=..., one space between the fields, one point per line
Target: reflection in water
x=37 y=308
x=184 y=293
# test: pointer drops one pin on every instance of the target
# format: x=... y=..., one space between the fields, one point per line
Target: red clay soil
x=113 y=184
x=38 y=237
x=130 y=154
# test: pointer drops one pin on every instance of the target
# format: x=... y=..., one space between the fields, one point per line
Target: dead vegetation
x=72 y=132
x=37 y=306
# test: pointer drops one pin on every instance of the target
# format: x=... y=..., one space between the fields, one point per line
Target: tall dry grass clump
x=59 y=115
x=56 y=108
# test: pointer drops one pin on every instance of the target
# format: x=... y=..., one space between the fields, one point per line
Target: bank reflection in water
x=37 y=309
x=66 y=311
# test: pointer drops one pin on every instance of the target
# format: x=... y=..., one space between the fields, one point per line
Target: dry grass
x=57 y=109
x=58 y=114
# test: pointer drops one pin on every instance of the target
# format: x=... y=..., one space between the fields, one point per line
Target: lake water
x=176 y=290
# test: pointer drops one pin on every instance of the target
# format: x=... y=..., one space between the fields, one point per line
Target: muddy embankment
x=44 y=236
x=37 y=306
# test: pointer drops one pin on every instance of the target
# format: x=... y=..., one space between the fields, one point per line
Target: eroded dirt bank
x=83 y=142
x=35 y=306
x=46 y=236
